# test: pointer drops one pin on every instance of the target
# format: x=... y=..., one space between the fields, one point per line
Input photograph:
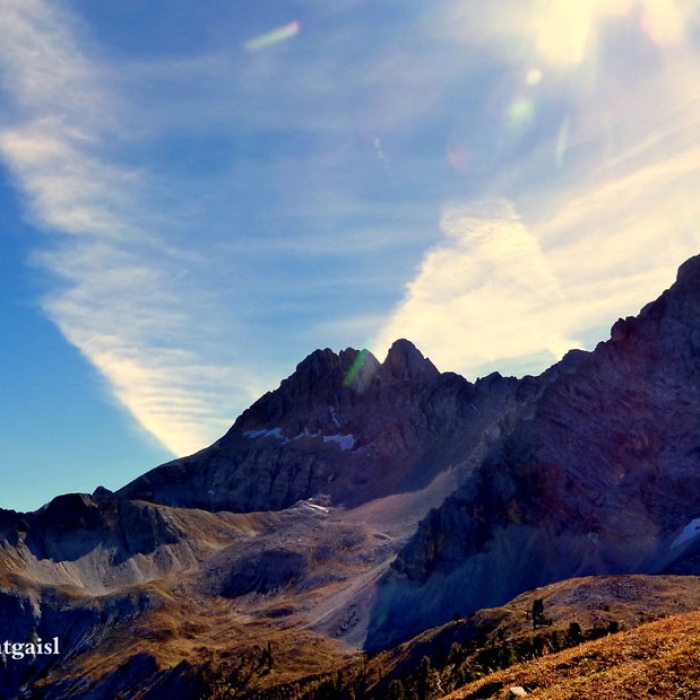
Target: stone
x=600 y=473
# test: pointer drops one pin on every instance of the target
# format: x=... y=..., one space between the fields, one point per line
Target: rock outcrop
x=603 y=477
x=345 y=426
x=73 y=525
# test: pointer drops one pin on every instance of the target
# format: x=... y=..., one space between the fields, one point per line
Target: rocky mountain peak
x=405 y=362
x=596 y=478
x=342 y=425
x=689 y=273
x=324 y=362
x=325 y=370
x=324 y=387
x=329 y=391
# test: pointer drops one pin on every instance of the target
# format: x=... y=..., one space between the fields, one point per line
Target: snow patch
x=273 y=433
x=313 y=506
x=690 y=531
x=345 y=442
x=306 y=433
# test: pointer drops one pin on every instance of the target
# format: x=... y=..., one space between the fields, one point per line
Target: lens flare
x=533 y=76
x=562 y=142
x=519 y=115
x=478 y=148
x=355 y=375
x=274 y=37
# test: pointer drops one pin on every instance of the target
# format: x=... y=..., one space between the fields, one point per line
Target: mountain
x=344 y=426
x=602 y=477
x=357 y=505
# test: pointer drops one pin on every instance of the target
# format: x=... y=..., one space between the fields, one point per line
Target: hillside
x=597 y=477
x=453 y=656
x=366 y=516
x=657 y=660
x=476 y=645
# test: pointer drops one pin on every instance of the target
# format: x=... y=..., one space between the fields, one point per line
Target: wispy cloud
x=497 y=289
x=124 y=296
x=599 y=214
x=482 y=295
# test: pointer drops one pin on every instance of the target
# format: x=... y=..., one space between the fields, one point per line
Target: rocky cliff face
x=344 y=426
x=34 y=613
x=603 y=477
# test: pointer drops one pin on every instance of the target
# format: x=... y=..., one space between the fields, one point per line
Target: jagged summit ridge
x=405 y=362
x=327 y=389
x=342 y=425
x=689 y=273
x=603 y=476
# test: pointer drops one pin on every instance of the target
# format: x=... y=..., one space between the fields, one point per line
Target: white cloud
x=483 y=294
x=38 y=43
x=596 y=225
x=496 y=291
x=126 y=298
x=70 y=189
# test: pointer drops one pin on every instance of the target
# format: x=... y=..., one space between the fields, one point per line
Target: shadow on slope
x=73 y=525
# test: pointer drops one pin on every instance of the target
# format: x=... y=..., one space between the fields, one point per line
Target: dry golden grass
x=211 y=633
x=658 y=660
x=226 y=640
x=594 y=602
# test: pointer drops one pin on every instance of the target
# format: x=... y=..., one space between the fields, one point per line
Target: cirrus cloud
x=122 y=293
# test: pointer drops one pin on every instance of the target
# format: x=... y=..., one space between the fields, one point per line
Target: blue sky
x=194 y=196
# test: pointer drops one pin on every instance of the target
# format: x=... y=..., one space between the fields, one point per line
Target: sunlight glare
x=663 y=21
x=565 y=30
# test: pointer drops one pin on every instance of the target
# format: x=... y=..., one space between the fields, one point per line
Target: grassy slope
x=657 y=660
x=214 y=635
x=596 y=604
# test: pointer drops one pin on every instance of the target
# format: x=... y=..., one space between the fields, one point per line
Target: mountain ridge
x=362 y=502
x=598 y=480
x=329 y=429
